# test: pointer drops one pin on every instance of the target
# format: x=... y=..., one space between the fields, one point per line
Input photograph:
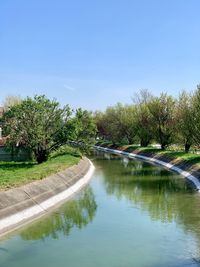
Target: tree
x=100 y=124
x=108 y=125
x=38 y=124
x=142 y=97
x=184 y=119
x=195 y=123
x=84 y=128
x=11 y=101
x=143 y=116
x=117 y=123
x=127 y=118
x=144 y=124
x=162 y=110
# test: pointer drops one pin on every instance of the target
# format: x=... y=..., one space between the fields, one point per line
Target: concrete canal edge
x=23 y=204
x=195 y=181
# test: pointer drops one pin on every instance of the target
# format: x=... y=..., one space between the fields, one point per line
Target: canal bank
x=129 y=209
x=191 y=173
x=23 y=204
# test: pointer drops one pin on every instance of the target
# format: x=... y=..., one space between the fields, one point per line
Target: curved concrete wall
x=169 y=166
x=20 y=205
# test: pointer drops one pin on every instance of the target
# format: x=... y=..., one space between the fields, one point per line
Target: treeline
x=41 y=126
x=162 y=119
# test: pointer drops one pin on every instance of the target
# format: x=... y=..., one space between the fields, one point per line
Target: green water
x=132 y=214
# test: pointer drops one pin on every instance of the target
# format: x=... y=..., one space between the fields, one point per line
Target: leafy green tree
x=143 y=116
x=38 y=124
x=195 y=123
x=126 y=119
x=11 y=101
x=84 y=128
x=117 y=123
x=110 y=125
x=184 y=120
x=162 y=110
x=144 y=124
x=100 y=124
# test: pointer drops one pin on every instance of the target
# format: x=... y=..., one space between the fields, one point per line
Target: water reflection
x=125 y=162
x=143 y=210
x=163 y=194
x=75 y=213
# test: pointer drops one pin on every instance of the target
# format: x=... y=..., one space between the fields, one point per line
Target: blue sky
x=94 y=53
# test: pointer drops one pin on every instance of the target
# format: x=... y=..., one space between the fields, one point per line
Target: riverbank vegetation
x=171 y=154
x=55 y=137
x=14 y=174
x=41 y=126
x=162 y=120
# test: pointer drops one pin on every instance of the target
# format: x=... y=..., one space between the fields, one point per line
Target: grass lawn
x=191 y=157
x=13 y=174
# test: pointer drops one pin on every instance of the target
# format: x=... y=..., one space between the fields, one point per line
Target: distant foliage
x=162 y=119
x=195 y=122
x=11 y=101
x=85 y=129
x=116 y=123
x=185 y=112
x=162 y=110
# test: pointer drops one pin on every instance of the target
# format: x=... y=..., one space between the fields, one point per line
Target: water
x=131 y=214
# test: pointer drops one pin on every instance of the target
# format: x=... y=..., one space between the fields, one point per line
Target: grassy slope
x=190 y=157
x=13 y=174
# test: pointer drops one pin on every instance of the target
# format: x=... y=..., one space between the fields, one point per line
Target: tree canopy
x=41 y=125
x=162 y=119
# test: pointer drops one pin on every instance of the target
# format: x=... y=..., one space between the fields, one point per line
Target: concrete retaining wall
x=20 y=205
x=167 y=165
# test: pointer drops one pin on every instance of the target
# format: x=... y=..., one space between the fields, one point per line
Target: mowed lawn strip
x=191 y=157
x=13 y=174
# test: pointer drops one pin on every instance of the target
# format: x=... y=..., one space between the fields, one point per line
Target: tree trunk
x=41 y=156
x=130 y=141
x=187 y=147
x=163 y=146
x=144 y=143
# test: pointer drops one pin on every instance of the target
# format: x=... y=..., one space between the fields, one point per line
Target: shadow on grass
x=141 y=149
x=130 y=149
x=16 y=165
x=75 y=154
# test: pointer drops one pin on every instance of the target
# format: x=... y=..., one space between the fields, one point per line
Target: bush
x=66 y=149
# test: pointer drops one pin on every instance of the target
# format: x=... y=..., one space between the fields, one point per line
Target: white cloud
x=69 y=88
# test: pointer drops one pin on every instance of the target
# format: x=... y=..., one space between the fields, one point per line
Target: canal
x=132 y=214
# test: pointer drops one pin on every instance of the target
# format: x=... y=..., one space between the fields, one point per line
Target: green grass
x=13 y=174
x=191 y=157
